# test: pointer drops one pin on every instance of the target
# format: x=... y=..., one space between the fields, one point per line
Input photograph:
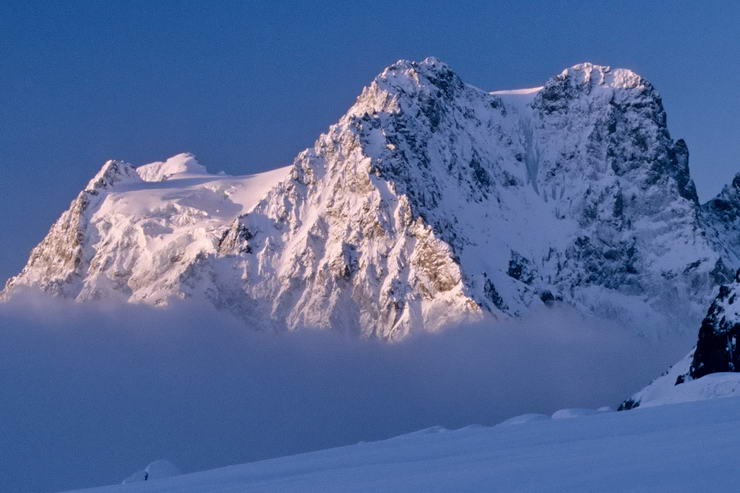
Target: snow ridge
x=184 y=163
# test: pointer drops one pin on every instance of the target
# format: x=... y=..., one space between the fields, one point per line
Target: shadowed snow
x=93 y=392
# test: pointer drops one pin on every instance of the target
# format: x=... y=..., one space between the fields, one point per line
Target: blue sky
x=246 y=85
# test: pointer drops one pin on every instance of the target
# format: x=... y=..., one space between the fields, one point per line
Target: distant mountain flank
x=712 y=368
x=429 y=202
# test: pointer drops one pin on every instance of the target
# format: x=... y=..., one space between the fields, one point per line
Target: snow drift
x=641 y=451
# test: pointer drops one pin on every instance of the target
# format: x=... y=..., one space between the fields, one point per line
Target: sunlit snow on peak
x=603 y=75
x=180 y=164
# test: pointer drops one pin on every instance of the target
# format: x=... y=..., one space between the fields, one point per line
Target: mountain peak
x=736 y=181
x=111 y=173
x=179 y=164
x=411 y=76
x=429 y=202
x=426 y=82
x=427 y=66
x=593 y=75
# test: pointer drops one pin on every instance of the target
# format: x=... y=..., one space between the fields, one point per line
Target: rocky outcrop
x=717 y=347
x=59 y=264
x=716 y=352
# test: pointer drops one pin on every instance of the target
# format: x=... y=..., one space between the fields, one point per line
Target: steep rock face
x=716 y=353
x=342 y=243
x=571 y=192
x=134 y=232
x=717 y=347
x=605 y=160
x=722 y=217
x=429 y=202
x=59 y=264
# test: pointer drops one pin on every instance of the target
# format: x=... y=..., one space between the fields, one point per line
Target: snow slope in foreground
x=683 y=447
x=664 y=390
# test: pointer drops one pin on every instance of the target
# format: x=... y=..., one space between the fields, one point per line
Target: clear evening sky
x=246 y=85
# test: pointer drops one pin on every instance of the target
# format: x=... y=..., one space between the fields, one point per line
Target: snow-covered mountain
x=712 y=368
x=429 y=202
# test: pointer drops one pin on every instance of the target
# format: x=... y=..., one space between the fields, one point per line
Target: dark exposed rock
x=235 y=240
x=628 y=404
x=717 y=347
x=493 y=295
x=548 y=298
x=520 y=268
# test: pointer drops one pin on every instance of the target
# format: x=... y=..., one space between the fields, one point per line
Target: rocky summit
x=430 y=202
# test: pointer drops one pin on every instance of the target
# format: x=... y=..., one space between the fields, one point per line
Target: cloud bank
x=92 y=393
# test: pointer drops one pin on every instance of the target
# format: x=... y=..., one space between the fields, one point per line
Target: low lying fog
x=93 y=393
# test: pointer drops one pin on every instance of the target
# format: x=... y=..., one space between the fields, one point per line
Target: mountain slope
x=712 y=368
x=132 y=232
x=430 y=202
x=643 y=450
